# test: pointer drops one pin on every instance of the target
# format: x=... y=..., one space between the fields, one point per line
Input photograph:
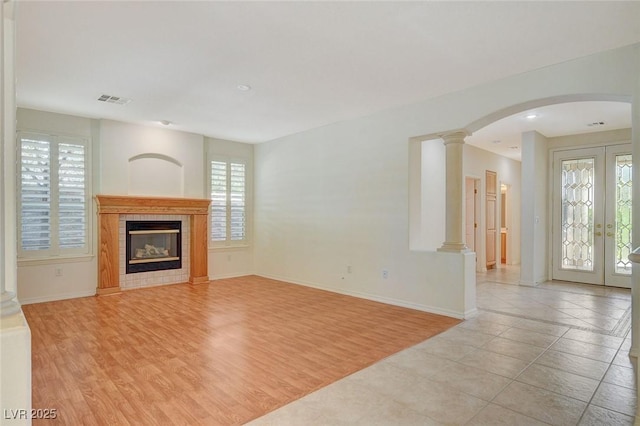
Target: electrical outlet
x=348 y=269
x=58 y=272
x=385 y=274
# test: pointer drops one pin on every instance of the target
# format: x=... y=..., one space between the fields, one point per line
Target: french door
x=592 y=215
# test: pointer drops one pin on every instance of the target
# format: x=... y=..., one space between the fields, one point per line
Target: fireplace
x=113 y=213
x=153 y=246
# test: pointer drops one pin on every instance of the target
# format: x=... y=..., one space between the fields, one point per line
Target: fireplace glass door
x=153 y=246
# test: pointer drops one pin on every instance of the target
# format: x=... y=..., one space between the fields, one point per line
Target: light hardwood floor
x=219 y=353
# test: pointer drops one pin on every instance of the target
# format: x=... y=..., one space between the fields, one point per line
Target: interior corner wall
x=535 y=223
x=332 y=203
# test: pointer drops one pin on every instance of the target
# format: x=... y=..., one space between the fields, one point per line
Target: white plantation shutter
x=228 y=202
x=237 y=191
x=53 y=207
x=72 y=205
x=218 y=201
x=35 y=194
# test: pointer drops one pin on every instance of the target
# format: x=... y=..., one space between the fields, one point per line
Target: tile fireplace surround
x=111 y=207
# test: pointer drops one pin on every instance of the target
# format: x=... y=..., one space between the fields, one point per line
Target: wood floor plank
x=219 y=353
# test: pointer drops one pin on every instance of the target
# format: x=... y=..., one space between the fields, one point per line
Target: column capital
x=454 y=137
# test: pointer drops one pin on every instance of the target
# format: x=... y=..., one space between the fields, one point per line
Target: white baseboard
x=86 y=293
x=54 y=297
x=224 y=276
x=372 y=297
x=470 y=313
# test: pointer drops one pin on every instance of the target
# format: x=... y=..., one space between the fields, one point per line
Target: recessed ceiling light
x=531 y=116
x=165 y=122
x=243 y=87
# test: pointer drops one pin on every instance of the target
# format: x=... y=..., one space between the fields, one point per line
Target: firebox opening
x=153 y=246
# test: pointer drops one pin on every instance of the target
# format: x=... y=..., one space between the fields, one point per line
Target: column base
x=107 y=291
x=454 y=247
x=198 y=280
x=9 y=305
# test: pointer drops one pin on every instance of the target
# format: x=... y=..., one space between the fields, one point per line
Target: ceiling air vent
x=596 y=124
x=114 y=99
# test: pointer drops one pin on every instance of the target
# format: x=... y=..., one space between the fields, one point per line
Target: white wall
x=335 y=199
x=338 y=196
x=585 y=140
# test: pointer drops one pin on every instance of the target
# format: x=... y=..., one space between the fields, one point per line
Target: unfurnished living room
x=319 y=213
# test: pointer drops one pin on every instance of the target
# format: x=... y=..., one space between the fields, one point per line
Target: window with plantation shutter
x=52 y=196
x=228 y=202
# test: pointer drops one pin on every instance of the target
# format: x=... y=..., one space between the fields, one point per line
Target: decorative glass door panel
x=577 y=214
x=592 y=215
x=618 y=225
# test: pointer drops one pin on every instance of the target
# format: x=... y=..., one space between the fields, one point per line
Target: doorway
x=491 y=201
x=592 y=215
x=471 y=213
x=504 y=227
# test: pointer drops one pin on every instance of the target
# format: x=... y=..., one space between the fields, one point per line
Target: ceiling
x=308 y=63
x=503 y=137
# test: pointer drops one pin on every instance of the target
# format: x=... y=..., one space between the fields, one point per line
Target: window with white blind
x=53 y=193
x=228 y=202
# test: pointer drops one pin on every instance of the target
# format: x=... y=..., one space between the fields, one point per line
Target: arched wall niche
x=155 y=174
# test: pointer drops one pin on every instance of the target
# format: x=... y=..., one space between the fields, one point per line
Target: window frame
x=55 y=251
x=228 y=241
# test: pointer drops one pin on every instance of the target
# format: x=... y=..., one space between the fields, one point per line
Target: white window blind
x=35 y=194
x=228 y=201
x=237 y=191
x=53 y=207
x=72 y=205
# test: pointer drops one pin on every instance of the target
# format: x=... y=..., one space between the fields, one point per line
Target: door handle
x=598 y=234
x=610 y=234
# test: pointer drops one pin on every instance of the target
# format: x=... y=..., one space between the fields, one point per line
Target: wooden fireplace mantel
x=110 y=207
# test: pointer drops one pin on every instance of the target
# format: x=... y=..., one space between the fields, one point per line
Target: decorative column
x=9 y=304
x=454 y=241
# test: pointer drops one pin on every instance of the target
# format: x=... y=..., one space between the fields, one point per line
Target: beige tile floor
x=552 y=354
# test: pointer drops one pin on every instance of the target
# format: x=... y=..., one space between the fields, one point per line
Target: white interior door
x=592 y=215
